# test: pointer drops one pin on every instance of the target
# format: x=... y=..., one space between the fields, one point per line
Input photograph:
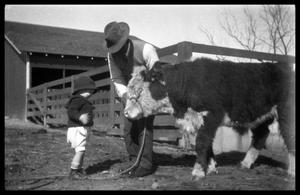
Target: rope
x=138 y=159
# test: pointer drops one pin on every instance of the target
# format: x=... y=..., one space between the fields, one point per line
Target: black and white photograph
x=149 y=97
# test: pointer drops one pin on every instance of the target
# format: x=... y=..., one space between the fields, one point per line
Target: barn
x=36 y=54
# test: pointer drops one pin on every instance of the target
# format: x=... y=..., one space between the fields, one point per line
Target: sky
x=161 y=25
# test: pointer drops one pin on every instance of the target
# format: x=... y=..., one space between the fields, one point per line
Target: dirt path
x=33 y=153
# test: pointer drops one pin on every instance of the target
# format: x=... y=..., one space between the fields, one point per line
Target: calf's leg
x=212 y=164
x=259 y=137
x=286 y=120
x=204 y=140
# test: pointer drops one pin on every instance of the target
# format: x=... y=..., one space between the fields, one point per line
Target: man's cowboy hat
x=116 y=35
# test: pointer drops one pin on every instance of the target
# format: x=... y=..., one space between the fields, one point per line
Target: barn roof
x=55 y=40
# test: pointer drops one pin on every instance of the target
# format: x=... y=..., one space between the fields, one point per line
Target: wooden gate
x=46 y=102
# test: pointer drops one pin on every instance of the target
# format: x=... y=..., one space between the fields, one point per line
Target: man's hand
x=85 y=118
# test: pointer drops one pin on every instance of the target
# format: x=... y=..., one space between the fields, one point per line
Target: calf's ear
x=156 y=74
x=145 y=75
x=149 y=75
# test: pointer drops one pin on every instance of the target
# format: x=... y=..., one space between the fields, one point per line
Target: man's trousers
x=133 y=135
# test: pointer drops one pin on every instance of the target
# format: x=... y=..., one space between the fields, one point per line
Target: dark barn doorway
x=44 y=75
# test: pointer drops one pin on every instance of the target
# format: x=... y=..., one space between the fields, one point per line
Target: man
x=124 y=55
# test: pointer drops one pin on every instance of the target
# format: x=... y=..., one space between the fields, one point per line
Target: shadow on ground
x=224 y=159
x=234 y=158
x=102 y=166
x=188 y=160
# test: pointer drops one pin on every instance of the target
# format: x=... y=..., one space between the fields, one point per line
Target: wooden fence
x=46 y=102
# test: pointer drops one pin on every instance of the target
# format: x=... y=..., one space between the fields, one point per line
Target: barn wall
x=15 y=83
x=39 y=59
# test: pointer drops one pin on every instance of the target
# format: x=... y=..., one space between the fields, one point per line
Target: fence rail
x=185 y=49
x=46 y=102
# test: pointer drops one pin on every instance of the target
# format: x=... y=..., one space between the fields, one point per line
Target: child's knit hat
x=84 y=83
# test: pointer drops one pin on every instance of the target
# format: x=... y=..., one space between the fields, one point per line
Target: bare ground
x=39 y=159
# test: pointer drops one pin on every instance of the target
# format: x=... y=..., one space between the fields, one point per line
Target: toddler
x=80 y=119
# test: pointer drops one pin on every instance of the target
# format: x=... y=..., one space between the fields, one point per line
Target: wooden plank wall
x=14 y=83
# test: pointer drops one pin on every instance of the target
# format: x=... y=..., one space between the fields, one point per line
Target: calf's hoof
x=291 y=169
x=212 y=167
x=198 y=172
x=246 y=165
x=291 y=174
x=212 y=171
x=197 y=178
x=250 y=158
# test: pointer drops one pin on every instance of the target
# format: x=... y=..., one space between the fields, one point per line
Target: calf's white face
x=132 y=109
x=141 y=101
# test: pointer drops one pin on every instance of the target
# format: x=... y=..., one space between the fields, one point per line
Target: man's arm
x=150 y=55
x=116 y=77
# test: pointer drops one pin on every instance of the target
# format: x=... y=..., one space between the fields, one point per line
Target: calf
x=205 y=94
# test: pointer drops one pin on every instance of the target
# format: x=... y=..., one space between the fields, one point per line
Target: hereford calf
x=205 y=94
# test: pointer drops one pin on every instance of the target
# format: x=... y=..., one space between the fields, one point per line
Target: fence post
x=112 y=104
x=28 y=84
x=72 y=84
x=45 y=105
x=185 y=51
x=64 y=76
